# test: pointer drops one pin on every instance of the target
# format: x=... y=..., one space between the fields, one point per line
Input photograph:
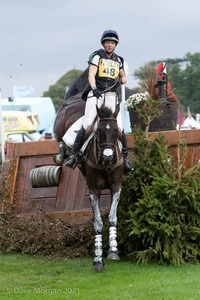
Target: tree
x=143 y=73
x=58 y=90
x=191 y=83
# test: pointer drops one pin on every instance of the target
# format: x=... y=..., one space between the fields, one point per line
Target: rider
x=106 y=74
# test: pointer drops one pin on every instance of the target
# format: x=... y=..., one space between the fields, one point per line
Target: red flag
x=161 y=69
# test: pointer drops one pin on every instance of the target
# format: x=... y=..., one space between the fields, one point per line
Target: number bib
x=108 y=68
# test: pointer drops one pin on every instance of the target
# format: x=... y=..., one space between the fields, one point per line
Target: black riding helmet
x=110 y=35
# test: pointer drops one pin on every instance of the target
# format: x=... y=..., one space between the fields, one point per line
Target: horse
x=102 y=167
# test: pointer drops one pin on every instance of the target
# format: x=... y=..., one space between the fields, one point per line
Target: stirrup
x=127 y=165
x=71 y=161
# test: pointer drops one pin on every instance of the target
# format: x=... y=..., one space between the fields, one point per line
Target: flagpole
x=125 y=114
x=2 y=132
x=122 y=104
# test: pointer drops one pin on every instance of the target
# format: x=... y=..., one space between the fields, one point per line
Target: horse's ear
x=116 y=110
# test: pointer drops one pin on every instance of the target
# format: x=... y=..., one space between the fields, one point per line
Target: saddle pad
x=70 y=135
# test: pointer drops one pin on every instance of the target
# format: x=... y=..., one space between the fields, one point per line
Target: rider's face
x=109 y=46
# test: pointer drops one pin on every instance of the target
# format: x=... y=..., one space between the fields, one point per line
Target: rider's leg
x=89 y=116
x=127 y=164
x=71 y=161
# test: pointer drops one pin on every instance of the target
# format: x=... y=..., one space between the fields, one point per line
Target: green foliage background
x=58 y=90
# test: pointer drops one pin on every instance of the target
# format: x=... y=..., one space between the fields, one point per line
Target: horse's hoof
x=98 y=267
x=58 y=159
x=113 y=256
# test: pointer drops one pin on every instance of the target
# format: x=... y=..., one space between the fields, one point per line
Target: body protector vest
x=108 y=71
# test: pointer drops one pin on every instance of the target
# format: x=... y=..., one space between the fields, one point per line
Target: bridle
x=98 y=149
x=105 y=145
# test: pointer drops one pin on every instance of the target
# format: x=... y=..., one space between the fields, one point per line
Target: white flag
x=20 y=91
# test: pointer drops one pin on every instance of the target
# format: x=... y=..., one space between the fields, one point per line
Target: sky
x=41 y=40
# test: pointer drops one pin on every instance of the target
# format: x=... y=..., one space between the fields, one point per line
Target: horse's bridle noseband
x=102 y=146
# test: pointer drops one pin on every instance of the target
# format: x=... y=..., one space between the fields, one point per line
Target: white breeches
x=109 y=99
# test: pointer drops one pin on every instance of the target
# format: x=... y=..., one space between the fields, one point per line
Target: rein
x=101 y=167
x=79 y=100
x=106 y=90
x=98 y=166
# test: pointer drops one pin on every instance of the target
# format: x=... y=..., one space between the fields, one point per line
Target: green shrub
x=159 y=210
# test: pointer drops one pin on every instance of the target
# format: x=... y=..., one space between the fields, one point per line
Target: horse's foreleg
x=113 y=250
x=98 y=226
x=60 y=157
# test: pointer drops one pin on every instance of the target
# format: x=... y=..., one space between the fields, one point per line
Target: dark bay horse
x=102 y=166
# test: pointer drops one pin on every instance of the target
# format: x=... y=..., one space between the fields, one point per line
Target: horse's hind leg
x=113 y=250
x=60 y=157
x=98 y=263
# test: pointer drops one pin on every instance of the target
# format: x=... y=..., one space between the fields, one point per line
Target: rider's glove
x=96 y=93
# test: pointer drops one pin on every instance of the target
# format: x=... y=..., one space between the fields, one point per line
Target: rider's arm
x=92 y=73
x=122 y=75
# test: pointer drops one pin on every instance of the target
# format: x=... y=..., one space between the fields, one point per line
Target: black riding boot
x=71 y=161
x=127 y=164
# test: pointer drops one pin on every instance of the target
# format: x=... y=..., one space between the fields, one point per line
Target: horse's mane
x=104 y=112
x=79 y=84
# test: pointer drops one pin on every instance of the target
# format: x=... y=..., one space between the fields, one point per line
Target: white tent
x=190 y=122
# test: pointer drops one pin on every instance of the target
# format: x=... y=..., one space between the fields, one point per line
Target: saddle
x=73 y=99
x=71 y=133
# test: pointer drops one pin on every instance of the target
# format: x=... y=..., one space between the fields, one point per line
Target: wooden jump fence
x=69 y=199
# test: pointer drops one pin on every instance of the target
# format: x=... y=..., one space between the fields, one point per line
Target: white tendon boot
x=113 y=250
x=98 y=252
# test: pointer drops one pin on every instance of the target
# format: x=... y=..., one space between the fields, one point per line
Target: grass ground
x=36 y=277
